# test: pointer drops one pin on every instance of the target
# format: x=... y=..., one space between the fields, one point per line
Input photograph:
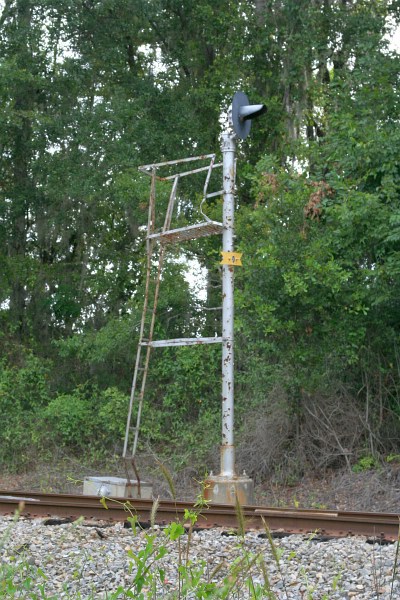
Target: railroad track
x=330 y=523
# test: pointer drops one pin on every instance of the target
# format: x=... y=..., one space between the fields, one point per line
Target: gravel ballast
x=78 y=560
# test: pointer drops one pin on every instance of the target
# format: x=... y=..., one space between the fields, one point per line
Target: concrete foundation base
x=116 y=487
x=224 y=490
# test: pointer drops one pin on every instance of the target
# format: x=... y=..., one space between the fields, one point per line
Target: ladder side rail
x=207 y=181
x=212 y=166
x=149 y=248
x=149 y=348
x=131 y=400
x=171 y=204
x=154 y=309
x=140 y=402
x=151 y=219
x=208 y=176
x=140 y=346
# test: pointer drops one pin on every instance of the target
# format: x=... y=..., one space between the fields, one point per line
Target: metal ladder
x=164 y=237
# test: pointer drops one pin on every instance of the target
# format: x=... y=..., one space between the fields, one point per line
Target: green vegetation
x=365 y=463
x=91 y=90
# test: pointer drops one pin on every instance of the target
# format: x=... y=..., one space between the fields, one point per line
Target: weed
x=18 y=577
x=365 y=463
x=395 y=565
x=393 y=458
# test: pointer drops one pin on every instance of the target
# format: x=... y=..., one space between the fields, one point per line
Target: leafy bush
x=365 y=463
x=70 y=417
x=112 y=413
x=87 y=418
x=24 y=390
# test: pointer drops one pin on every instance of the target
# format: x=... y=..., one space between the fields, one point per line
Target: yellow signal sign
x=232 y=258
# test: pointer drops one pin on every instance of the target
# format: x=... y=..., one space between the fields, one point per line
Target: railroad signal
x=226 y=487
x=243 y=113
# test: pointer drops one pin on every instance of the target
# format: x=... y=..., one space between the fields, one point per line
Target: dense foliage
x=92 y=89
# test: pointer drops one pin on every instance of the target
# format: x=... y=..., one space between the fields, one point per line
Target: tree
x=92 y=89
x=324 y=255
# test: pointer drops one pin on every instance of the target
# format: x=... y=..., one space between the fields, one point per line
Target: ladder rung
x=183 y=342
x=192 y=232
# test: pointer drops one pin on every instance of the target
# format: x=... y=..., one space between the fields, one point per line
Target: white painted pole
x=227 y=448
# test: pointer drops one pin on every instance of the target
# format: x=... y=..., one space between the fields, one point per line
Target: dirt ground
x=376 y=490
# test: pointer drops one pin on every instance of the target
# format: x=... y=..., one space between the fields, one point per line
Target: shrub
x=24 y=391
x=71 y=418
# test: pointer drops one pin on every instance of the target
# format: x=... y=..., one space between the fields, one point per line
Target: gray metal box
x=116 y=487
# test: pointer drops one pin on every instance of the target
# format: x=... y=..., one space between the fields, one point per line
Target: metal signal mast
x=227 y=485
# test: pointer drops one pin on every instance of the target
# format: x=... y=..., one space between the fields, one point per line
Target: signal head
x=243 y=113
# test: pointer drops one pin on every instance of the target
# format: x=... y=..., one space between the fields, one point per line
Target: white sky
x=395 y=40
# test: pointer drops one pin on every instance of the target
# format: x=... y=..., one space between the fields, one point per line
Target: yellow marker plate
x=232 y=258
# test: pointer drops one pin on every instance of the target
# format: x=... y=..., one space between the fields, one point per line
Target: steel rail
x=380 y=526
